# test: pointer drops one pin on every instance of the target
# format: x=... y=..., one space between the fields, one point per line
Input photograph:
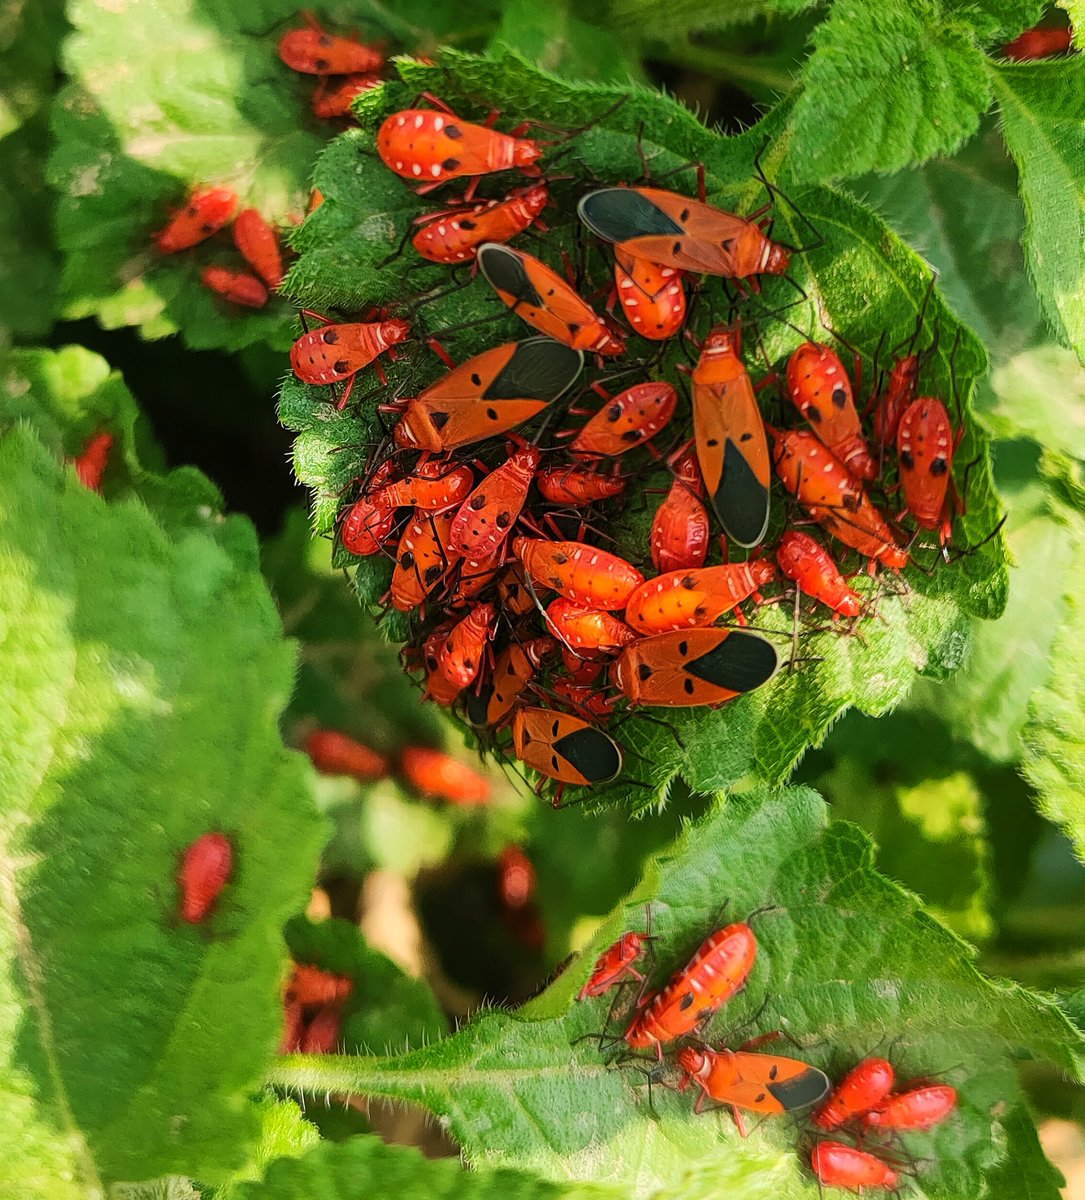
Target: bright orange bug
x=675 y=231
x=834 y=498
x=239 y=287
x=689 y=668
x=902 y=382
x=430 y=147
x=917 y=1108
x=433 y=486
x=369 y=520
x=91 y=464
x=539 y=296
x=461 y=655
x=615 y=964
x=679 y=537
x=259 y=246
x=865 y=1086
x=626 y=421
x=439 y=688
x=334 y=352
x=441 y=777
x=579 y=572
x=925 y=448
x=764 y=1083
x=716 y=972
x=820 y=389
x=514 y=668
x=690 y=599
x=586 y=628
x=423 y=558
x=310 y=986
x=576 y=486
x=489 y=394
x=335 y=753
x=1038 y=43
x=565 y=748
x=809 y=565
x=328 y=103
x=312 y=51
x=652 y=297
x=516 y=599
x=486 y=517
x=206 y=867
x=732 y=448
x=837 y=1165
x=454 y=236
x=206 y=212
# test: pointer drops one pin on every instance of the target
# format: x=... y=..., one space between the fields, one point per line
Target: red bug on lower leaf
x=91 y=464
x=310 y=986
x=334 y=352
x=615 y=964
x=690 y=599
x=820 y=389
x=206 y=212
x=865 y=1086
x=313 y=51
x=837 y=1165
x=1039 y=43
x=679 y=537
x=335 y=753
x=441 y=777
x=810 y=566
x=586 y=629
x=652 y=297
x=917 y=1108
x=330 y=102
x=626 y=421
x=461 y=655
x=486 y=517
x=206 y=867
x=259 y=246
x=925 y=447
x=454 y=236
x=539 y=296
x=239 y=287
x=579 y=572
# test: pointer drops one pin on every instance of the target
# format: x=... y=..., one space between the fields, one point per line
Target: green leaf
x=887 y=86
x=997 y=20
x=846 y=959
x=1040 y=394
x=29 y=35
x=366 y=1169
x=1024 y=1173
x=1076 y=11
x=1043 y=118
x=284 y=1133
x=557 y=40
x=682 y=17
x=862 y=283
x=133 y=1040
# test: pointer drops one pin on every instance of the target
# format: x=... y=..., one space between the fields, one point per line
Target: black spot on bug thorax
x=453 y=131
x=939 y=467
x=330 y=337
x=450 y=164
x=840 y=397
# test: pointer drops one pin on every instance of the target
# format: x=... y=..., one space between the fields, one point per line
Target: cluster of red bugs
x=862 y=1105
x=313 y=1001
x=527 y=617
x=345 y=67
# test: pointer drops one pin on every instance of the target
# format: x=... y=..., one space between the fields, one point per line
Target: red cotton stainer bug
x=917 y=1108
x=423 y=559
x=865 y=1086
x=690 y=599
x=811 y=568
x=334 y=352
x=679 y=538
x=441 y=777
x=565 y=748
x=625 y=421
x=369 y=520
x=576 y=486
x=514 y=669
x=239 y=287
x=433 y=486
x=652 y=297
x=259 y=246
x=837 y=1165
x=454 y=236
x=579 y=572
x=91 y=464
x=206 y=867
x=461 y=655
x=820 y=389
x=335 y=753
x=729 y=434
x=925 y=447
x=714 y=974
x=328 y=103
x=539 y=296
x=206 y=212
x=431 y=147
x=486 y=517
x=313 y=51
x=586 y=629
x=615 y=965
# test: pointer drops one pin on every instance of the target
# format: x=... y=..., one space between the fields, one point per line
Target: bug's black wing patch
x=621 y=214
x=539 y=369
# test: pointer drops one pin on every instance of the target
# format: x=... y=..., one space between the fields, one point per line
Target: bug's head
x=395 y=330
x=526 y=153
x=777 y=260
x=691 y=1060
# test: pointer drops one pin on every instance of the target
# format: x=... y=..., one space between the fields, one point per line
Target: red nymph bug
x=239 y=287
x=865 y=1086
x=925 y=448
x=431 y=147
x=834 y=498
x=312 y=51
x=433 y=486
x=442 y=777
x=1039 y=43
x=206 y=212
x=489 y=394
x=335 y=101
x=837 y=1165
x=690 y=599
x=321 y=1035
x=334 y=352
x=439 y=688
x=259 y=246
x=694 y=667
x=515 y=877
x=486 y=517
x=917 y=1108
x=732 y=448
x=615 y=964
x=820 y=389
x=369 y=520
x=652 y=297
x=763 y=1083
x=576 y=486
x=538 y=295
x=514 y=668
x=461 y=654
x=674 y=231
x=579 y=572
x=586 y=628
x=91 y=464
x=335 y=753
x=423 y=558
x=811 y=568
x=455 y=235
x=206 y=867
x=310 y=986
x=564 y=748
x=679 y=538
x=717 y=971
x=626 y=421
